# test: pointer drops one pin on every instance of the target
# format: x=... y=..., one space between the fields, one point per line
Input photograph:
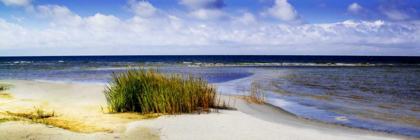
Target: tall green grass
x=152 y=91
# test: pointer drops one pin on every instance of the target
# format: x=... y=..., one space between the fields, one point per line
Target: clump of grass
x=51 y=119
x=8 y=119
x=6 y=96
x=255 y=93
x=152 y=91
x=38 y=116
x=39 y=113
x=3 y=87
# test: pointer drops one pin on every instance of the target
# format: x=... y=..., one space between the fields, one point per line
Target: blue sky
x=275 y=27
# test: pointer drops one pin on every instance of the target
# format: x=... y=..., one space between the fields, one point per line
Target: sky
x=209 y=27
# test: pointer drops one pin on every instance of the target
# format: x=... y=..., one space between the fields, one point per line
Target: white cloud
x=64 y=17
x=176 y=22
x=284 y=11
x=102 y=23
x=396 y=10
x=394 y=14
x=142 y=8
x=246 y=19
x=107 y=34
x=17 y=2
x=354 y=8
x=19 y=19
x=11 y=35
x=169 y=34
x=208 y=14
x=53 y=11
x=59 y=14
x=20 y=3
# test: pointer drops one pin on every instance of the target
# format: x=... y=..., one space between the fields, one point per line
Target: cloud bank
x=70 y=33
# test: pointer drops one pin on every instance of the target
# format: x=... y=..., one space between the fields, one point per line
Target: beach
x=81 y=115
x=210 y=69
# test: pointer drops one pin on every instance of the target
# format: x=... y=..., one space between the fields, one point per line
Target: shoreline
x=124 y=65
x=278 y=115
x=269 y=115
x=294 y=107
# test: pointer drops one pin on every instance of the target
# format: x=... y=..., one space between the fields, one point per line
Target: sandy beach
x=81 y=114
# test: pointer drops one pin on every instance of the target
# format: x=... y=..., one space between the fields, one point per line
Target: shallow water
x=381 y=98
x=376 y=98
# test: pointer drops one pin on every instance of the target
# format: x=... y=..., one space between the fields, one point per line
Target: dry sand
x=81 y=116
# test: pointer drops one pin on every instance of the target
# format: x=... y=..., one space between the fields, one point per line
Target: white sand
x=251 y=121
x=22 y=130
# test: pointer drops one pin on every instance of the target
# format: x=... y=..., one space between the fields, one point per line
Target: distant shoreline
x=202 y=55
x=223 y=59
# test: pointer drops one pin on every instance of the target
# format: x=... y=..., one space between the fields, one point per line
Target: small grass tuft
x=152 y=91
x=6 y=96
x=39 y=113
x=3 y=87
x=255 y=93
x=38 y=116
x=8 y=119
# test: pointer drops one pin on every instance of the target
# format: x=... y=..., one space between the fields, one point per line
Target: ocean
x=379 y=93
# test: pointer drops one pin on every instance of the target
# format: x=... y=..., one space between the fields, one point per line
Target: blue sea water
x=221 y=59
x=380 y=93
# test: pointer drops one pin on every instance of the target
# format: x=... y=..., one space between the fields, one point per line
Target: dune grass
x=3 y=87
x=39 y=113
x=9 y=119
x=255 y=93
x=152 y=91
x=6 y=96
x=38 y=116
